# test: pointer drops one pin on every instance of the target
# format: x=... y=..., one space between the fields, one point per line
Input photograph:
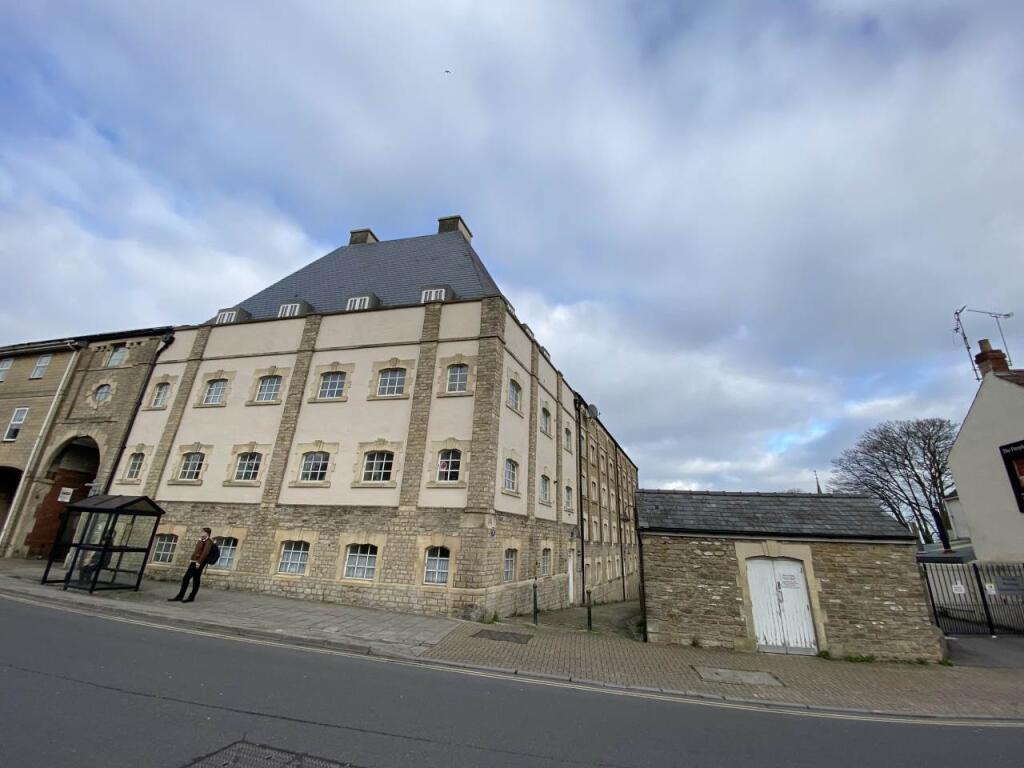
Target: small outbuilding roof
x=807 y=515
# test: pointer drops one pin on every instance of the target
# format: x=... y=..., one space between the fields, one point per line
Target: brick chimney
x=454 y=224
x=991 y=360
x=362 y=237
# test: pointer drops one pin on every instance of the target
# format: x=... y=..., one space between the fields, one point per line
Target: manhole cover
x=243 y=754
x=504 y=637
x=739 y=676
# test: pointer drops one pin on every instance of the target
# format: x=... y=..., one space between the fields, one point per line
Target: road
x=80 y=691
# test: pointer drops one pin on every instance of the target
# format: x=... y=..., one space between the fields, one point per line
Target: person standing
x=199 y=560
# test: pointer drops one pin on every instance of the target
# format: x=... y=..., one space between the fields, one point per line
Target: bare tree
x=905 y=465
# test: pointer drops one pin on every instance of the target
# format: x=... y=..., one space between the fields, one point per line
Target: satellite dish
x=592 y=410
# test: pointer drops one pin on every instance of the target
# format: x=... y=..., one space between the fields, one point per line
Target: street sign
x=1010 y=584
x=959 y=589
x=65 y=495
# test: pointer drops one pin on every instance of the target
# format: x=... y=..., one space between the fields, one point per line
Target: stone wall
x=475 y=590
x=868 y=599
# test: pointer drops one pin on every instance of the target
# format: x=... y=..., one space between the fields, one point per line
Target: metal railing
x=976 y=598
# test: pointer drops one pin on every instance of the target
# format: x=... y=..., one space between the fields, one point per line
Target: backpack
x=214 y=554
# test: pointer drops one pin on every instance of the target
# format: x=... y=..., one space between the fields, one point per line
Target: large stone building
x=380 y=429
x=65 y=407
x=782 y=572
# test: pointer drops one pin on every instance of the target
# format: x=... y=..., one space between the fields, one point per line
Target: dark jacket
x=201 y=551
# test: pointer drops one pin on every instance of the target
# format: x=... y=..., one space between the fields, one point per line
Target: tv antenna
x=997 y=316
x=959 y=329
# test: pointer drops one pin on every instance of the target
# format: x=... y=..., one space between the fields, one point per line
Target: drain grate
x=737 y=676
x=243 y=754
x=504 y=637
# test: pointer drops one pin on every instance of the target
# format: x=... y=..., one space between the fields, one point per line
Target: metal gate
x=977 y=598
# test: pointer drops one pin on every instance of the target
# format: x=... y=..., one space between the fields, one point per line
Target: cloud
x=741 y=229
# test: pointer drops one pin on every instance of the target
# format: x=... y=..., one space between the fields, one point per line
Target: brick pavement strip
x=556 y=652
x=806 y=681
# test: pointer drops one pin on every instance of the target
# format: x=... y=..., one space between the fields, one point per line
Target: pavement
x=1000 y=652
x=80 y=691
x=305 y=622
x=561 y=650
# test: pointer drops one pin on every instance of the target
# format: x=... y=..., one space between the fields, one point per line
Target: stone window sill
x=507 y=492
x=161 y=566
x=547 y=434
x=442 y=484
x=130 y=481
x=209 y=405
x=514 y=410
x=309 y=484
x=176 y=481
x=211 y=571
x=383 y=484
x=454 y=394
x=263 y=402
x=358 y=582
x=342 y=399
x=153 y=408
x=241 y=483
x=545 y=503
x=436 y=587
x=403 y=396
x=288 y=576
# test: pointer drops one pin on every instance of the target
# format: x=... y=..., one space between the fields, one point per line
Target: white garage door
x=782 y=610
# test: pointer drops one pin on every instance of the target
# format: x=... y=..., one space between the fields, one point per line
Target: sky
x=741 y=228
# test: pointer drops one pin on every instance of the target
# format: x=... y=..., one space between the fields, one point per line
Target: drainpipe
x=577 y=403
x=30 y=468
x=167 y=340
x=618 y=515
x=640 y=554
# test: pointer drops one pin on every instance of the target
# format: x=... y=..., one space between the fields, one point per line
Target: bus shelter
x=110 y=545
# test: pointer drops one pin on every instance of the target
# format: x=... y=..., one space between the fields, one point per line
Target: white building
x=987 y=462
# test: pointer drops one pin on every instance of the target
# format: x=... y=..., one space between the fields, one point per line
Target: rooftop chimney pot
x=362 y=237
x=991 y=360
x=454 y=224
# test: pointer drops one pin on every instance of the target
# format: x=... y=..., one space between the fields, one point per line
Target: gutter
x=734 y=534
x=167 y=339
x=44 y=433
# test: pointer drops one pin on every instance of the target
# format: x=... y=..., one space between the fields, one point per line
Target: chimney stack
x=991 y=360
x=454 y=224
x=362 y=237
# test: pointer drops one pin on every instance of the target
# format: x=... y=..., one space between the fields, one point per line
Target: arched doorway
x=70 y=477
x=9 y=480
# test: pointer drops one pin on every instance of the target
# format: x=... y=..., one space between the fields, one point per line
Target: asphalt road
x=78 y=690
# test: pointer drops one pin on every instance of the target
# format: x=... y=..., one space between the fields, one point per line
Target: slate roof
x=766 y=514
x=1015 y=376
x=396 y=271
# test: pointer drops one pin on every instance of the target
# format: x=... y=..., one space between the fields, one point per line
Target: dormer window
x=226 y=316
x=433 y=294
x=288 y=310
x=357 y=302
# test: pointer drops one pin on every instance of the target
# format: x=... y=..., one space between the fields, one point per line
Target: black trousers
x=192 y=574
